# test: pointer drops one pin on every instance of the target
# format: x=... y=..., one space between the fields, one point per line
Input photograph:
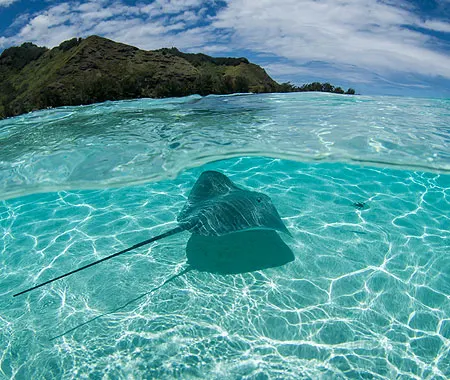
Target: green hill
x=95 y=69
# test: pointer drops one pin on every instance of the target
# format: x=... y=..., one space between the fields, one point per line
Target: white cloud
x=20 y=20
x=335 y=73
x=50 y=27
x=365 y=33
x=176 y=6
x=162 y=23
x=189 y=16
x=436 y=25
x=6 y=3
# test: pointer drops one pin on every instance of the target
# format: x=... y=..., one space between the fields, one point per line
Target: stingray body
x=218 y=213
x=217 y=207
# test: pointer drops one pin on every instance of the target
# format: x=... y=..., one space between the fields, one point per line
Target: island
x=95 y=69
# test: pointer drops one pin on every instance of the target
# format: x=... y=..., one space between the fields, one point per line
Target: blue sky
x=378 y=47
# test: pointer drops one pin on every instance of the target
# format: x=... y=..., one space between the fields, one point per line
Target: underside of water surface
x=137 y=141
x=367 y=295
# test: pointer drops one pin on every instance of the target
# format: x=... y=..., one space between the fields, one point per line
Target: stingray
x=222 y=218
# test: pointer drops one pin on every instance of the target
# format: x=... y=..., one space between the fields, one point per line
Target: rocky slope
x=95 y=69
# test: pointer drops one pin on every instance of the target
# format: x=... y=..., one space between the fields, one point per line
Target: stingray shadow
x=239 y=252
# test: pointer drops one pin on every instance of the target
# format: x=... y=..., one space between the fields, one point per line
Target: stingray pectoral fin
x=284 y=230
x=145 y=242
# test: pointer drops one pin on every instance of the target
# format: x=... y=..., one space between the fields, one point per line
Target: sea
x=362 y=184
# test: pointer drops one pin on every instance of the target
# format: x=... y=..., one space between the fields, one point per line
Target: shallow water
x=368 y=295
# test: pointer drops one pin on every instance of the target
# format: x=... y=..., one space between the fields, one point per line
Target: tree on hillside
x=20 y=56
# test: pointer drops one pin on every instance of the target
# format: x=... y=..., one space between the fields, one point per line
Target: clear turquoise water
x=368 y=295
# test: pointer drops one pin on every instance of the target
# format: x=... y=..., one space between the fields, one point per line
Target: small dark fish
x=359 y=205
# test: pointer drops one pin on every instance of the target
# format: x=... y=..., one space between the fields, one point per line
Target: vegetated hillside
x=95 y=69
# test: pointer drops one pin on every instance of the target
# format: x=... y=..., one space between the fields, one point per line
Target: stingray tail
x=145 y=242
x=170 y=279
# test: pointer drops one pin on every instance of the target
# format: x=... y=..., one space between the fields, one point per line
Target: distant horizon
x=378 y=48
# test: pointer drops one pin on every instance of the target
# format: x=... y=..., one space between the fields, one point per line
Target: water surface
x=132 y=142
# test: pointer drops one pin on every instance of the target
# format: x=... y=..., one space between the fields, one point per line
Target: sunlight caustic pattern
x=368 y=294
